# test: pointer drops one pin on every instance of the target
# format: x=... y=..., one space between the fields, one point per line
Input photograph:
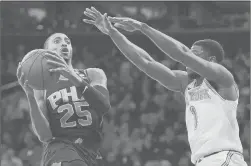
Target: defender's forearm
x=135 y=54
x=167 y=44
x=39 y=122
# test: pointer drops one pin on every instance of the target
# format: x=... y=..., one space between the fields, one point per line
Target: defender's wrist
x=112 y=32
x=144 y=27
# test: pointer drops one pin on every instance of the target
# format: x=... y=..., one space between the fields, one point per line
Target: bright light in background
x=38 y=13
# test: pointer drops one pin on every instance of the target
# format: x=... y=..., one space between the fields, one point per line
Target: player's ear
x=212 y=59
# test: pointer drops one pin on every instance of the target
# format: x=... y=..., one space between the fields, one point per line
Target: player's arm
x=98 y=81
x=173 y=80
x=96 y=93
x=179 y=52
x=38 y=116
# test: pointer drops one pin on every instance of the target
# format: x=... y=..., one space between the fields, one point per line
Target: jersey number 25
x=80 y=113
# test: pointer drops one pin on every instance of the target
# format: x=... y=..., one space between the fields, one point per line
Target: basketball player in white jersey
x=209 y=88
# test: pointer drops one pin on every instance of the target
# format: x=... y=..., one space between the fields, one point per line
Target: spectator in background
x=9 y=159
x=32 y=153
x=12 y=66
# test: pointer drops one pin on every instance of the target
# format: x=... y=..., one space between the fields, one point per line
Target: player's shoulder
x=96 y=72
x=97 y=77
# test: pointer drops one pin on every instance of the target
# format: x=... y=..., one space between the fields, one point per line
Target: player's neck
x=69 y=64
x=199 y=81
x=68 y=61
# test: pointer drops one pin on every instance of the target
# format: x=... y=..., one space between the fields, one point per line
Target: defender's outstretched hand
x=128 y=24
x=99 y=20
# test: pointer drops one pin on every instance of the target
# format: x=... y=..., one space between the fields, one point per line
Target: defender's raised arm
x=173 y=80
x=178 y=51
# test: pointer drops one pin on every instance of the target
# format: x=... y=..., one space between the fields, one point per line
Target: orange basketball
x=36 y=70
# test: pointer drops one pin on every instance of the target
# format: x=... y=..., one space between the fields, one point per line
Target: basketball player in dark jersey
x=69 y=114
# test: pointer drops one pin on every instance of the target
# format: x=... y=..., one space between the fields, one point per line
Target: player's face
x=198 y=51
x=61 y=44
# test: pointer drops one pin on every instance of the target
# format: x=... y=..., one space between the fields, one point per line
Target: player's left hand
x=128 y=24
x=24 y=83
x=99 y=20
x=61 y=67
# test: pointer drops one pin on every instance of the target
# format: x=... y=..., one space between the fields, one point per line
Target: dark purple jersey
x=70 y=114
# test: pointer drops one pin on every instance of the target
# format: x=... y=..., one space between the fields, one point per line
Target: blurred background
x=146 y=126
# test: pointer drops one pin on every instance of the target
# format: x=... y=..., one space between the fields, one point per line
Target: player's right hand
x=125 y=23
x=99 y=20
x=24 y=83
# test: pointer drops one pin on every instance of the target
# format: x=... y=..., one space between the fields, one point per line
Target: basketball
x=36 y=70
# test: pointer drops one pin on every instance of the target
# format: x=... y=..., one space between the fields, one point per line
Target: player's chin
x=192 y=74
x=66 y=56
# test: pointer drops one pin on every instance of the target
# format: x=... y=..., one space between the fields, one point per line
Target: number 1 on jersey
x=194 y=113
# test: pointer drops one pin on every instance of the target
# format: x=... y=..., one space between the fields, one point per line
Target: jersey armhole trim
x=190 y=84
x=213 y=90
x=237 y=90
x=185 y=92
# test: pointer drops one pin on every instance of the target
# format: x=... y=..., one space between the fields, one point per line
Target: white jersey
x=211 y=121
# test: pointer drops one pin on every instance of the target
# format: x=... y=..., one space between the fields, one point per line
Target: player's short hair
x=214 y=48
x=46 y=43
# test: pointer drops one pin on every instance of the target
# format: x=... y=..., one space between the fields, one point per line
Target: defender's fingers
x=105 y=18
x=90 y=11
x=107 y=22
x=118 y=25
x=130 y=22
x=92 y=16
x=96 y=11
x=125 y=27
x=117 y=19
x=89 y=21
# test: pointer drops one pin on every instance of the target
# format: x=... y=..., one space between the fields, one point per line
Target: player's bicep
x=174 y=80
x=98 y=80
x=210 y=70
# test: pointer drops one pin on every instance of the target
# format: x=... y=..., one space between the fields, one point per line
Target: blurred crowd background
x=146 y=126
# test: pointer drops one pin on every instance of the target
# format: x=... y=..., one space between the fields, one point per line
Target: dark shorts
x=66 y=151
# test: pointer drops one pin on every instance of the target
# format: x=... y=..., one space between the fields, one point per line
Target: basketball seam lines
x=32 y=65
x=30 y=56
